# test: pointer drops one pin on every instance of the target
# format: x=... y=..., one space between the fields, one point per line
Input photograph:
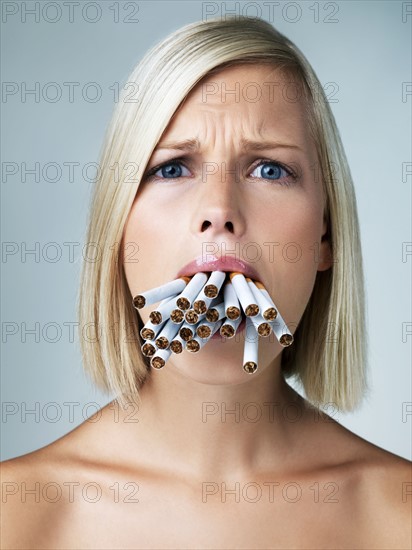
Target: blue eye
x=271 y=170
x=169 y=170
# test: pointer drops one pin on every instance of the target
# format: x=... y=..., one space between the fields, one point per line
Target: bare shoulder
x=378 y=488
x=36 y=490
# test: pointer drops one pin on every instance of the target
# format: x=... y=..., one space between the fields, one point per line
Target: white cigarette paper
x=167 y=334
x=196 y=343
x=262 y=326
x=250 y=353
x=229 y=327
x=244 y=294
x=231 y=301
x=281 y=331
x=213 y=285
x=154 y=295
x=159 y=359
x=191 y=290
x=266 y=308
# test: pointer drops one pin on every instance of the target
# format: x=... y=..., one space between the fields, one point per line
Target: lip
x=218 y=264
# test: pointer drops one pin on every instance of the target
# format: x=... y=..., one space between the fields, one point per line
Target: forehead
x=258 y=99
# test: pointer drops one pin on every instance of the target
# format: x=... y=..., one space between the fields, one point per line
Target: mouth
x=227 y=265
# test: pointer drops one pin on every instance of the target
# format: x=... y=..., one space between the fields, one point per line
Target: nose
x=220 y=211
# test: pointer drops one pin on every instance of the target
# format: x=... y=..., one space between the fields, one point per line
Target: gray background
x=365 y=53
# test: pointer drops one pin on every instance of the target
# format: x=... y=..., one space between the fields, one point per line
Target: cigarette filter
x=268 y=311
x=154 y=295
x=191 y=290
x=159 y=359
x=250 y=353
x=244 y=294
x=229 y=327
x=231 y=301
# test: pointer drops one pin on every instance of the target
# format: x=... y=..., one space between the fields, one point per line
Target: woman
x=228 y=142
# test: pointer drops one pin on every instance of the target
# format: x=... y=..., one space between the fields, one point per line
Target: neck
x=202 y=429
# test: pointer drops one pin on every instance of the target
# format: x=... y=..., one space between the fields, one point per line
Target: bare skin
x=188 y=473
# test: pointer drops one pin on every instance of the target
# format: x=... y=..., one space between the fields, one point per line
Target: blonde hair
x=330 y=366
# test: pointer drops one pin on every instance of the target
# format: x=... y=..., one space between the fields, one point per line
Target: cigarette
x=250 y=353
x=209 y=291
x=196 y=343
x=192 y=317
x=229 y=327
x=168 y=332
x=177 y=316
x=154 y=295
x=162 y=312
x=186 y=332
x=204 y=329
x=177 y=345
x=262 y=326
x=232 y=309
x=149 y=331
x=159 y=359
x=216 y=280
x=216 y=313
x=148 y=349
x=269 y=312
x=281 y=331
x=244 y=294
x=191 y=290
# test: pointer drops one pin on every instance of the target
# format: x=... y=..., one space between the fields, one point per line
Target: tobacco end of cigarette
x=200 y=306
x=211 y=291
x=191 y=317
x=186 y=334
x=157 y=362
x=264 y=329
x=147 y=334
x=139 y=301
x=176 y=346
x=227 y=331
x=183 y=303
x=203 y=331
x=193 y=346
x=270 y=314
x=250 y=367
x=155 y=317
x=232 y=312
x=212 y=315
x=177 y=316
x=252 y=310
x=162 y=342
x=286 y=340
x=148 y=349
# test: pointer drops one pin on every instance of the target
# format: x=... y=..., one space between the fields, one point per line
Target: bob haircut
x=329 y=354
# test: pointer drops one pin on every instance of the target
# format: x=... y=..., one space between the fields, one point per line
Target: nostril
x=205 y=225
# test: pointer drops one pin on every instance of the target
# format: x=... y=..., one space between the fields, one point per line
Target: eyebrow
x=193 y=145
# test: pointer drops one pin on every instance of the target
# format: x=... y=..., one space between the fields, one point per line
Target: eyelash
x=184 y=160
